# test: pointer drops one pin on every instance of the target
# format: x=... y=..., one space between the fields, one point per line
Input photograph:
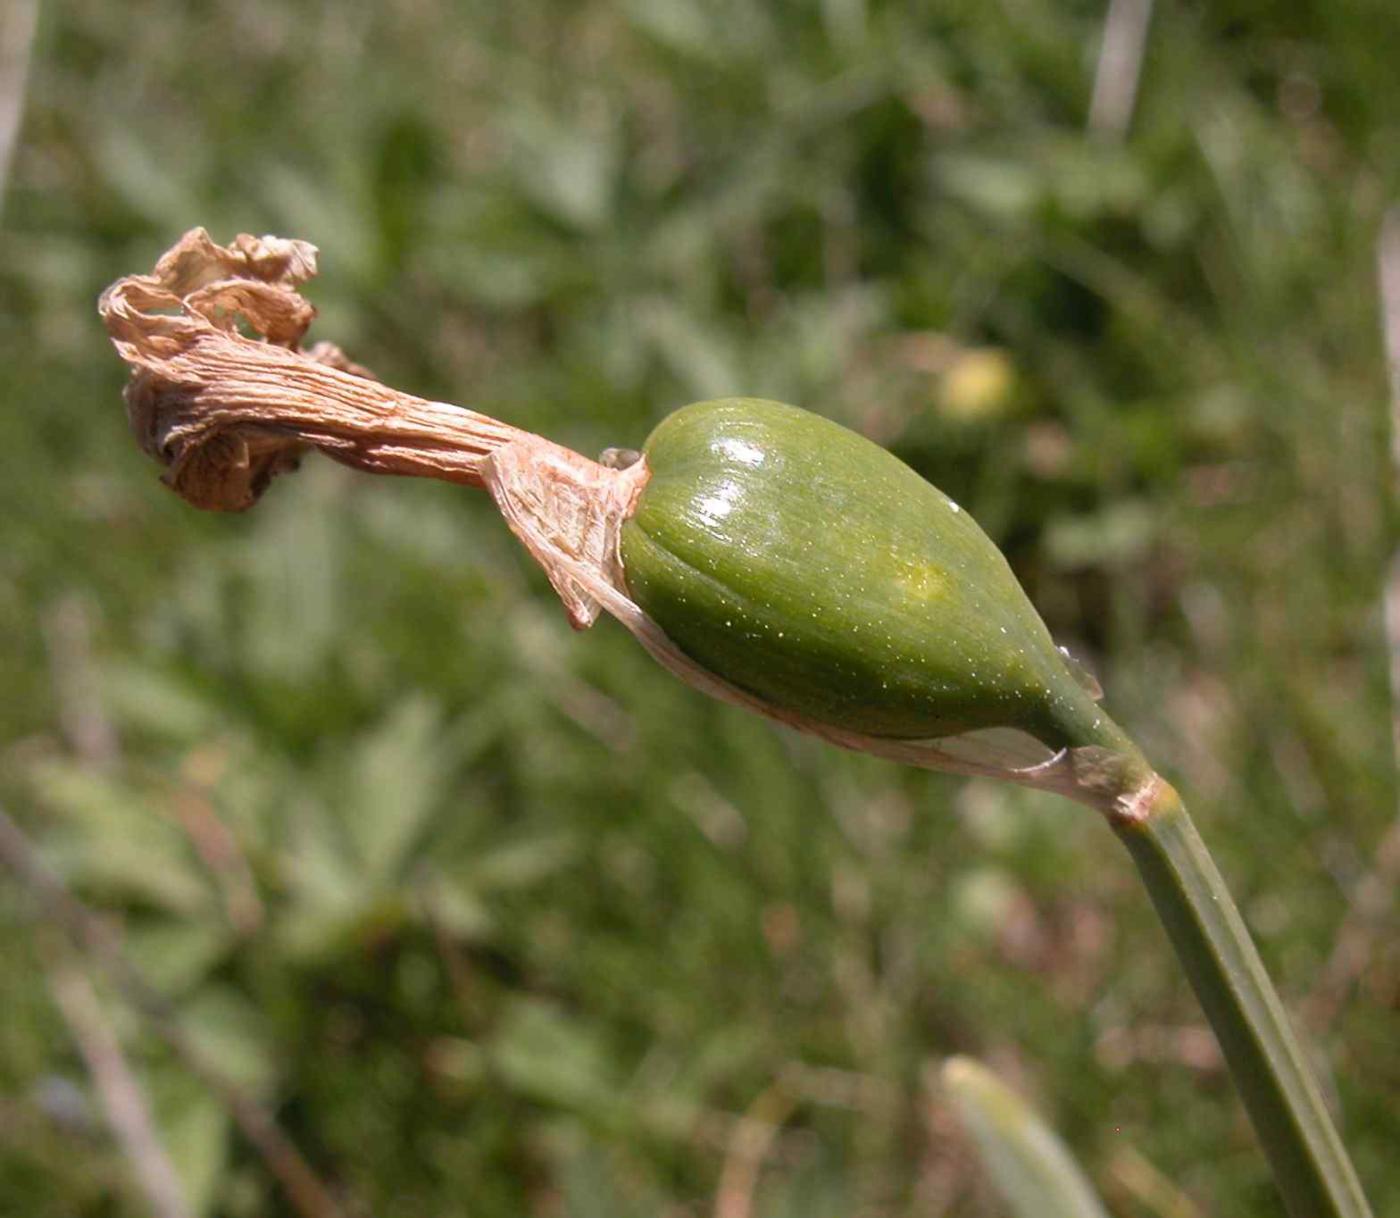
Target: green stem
x=1310 y=1164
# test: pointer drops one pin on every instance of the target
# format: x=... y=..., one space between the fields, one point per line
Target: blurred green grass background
x=502 y=921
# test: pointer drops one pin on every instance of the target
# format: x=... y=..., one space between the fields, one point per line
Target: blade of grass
x=1027 y=1161
x=1279 y=1091
x=18 y=21
x=123 y=1100
x=1120 y=66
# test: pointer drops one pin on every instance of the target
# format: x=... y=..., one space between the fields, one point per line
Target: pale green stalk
x=1310 y=1164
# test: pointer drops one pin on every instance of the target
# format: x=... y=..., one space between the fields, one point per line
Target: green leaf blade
x=1028 y=1163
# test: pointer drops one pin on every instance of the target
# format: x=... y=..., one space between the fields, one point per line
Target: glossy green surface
x=809 y=566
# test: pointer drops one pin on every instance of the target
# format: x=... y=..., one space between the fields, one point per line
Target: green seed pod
x=812 y=569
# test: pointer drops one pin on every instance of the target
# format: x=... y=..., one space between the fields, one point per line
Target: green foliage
x=503 y=921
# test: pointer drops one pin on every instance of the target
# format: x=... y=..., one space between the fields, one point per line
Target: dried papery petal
x=333 y=357
x=226 y=412
x=562 y=505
